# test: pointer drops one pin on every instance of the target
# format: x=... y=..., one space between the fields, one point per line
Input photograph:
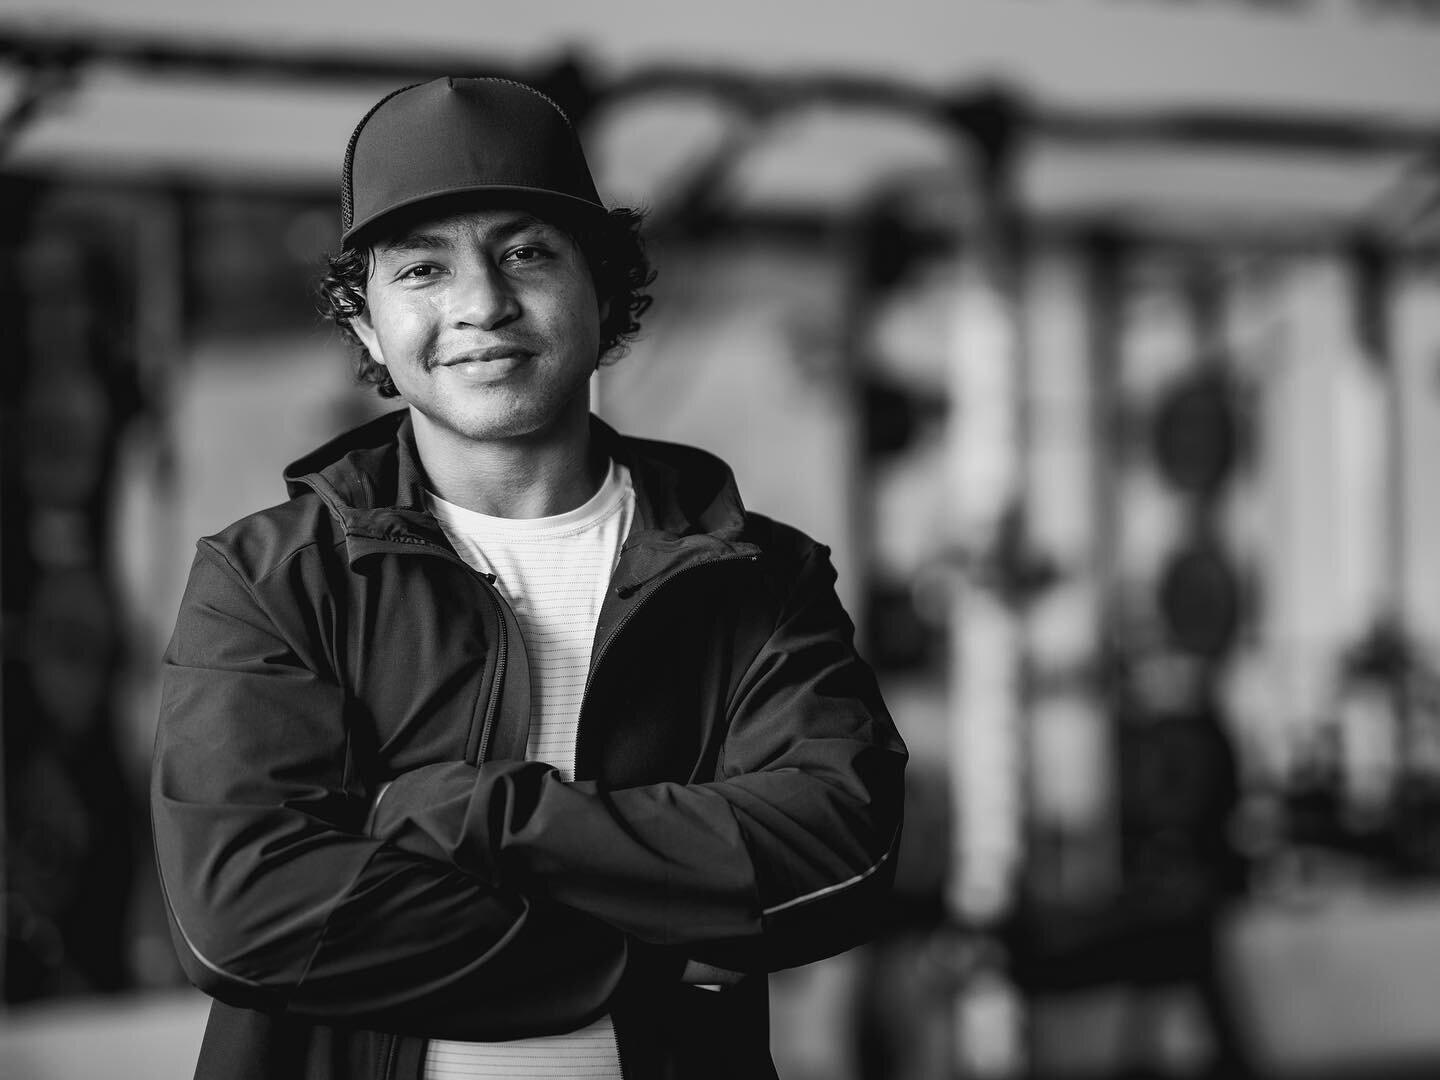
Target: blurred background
x=1100 y=339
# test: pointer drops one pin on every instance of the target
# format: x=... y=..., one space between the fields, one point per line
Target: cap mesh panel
x=347 y=197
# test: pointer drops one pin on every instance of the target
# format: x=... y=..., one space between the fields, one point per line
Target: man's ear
x=365 y=330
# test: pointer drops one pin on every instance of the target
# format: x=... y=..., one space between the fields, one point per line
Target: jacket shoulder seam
x=269 y=571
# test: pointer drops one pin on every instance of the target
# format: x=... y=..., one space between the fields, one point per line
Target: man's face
x=488 y=323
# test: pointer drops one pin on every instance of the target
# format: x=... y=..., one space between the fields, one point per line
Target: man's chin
x=501 y=422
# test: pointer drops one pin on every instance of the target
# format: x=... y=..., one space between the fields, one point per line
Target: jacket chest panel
x=658 y=706
x=424 y=643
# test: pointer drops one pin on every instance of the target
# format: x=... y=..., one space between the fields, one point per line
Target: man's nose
x=482 y=297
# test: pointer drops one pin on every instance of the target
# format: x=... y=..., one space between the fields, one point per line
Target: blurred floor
x=153 y=1036
x=156 y=1035
x=1338 y=990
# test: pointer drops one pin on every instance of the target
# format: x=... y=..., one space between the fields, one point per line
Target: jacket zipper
x=387 y=1060
x=659 y=584
x=491 y=706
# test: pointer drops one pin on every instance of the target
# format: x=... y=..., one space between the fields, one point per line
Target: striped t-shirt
x=554 y=571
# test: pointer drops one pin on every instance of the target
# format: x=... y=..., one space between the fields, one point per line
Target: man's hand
x=709 y=977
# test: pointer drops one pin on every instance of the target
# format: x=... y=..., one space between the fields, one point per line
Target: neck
x=524 y=477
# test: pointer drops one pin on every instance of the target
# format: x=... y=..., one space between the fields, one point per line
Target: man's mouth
x=487 y=355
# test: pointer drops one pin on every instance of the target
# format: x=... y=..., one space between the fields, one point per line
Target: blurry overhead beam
x=31 y=45
x=34 y=45
x=1261 y=131
x=116 y=126
x=135 y=107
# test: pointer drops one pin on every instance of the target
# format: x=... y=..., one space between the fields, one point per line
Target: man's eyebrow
x=421 y=240
x=417 y=241
x=522 y=223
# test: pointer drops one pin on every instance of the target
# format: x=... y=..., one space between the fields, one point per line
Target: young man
x=508 y=746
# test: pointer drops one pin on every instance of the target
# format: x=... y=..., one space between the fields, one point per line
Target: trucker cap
x=457 y=136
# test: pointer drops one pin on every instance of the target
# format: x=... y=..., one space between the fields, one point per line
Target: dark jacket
x=737 y=796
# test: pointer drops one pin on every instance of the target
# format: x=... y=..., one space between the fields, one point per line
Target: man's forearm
x=685 y=866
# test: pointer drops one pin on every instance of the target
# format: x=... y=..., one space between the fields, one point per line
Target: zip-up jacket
x=356 y=857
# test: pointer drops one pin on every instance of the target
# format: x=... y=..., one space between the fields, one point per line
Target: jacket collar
x=687 y=506
x=687 y=509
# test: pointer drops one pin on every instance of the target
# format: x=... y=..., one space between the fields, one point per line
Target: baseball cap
x=457 y=136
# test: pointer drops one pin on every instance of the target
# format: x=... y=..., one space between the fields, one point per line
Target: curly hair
x=613 y=250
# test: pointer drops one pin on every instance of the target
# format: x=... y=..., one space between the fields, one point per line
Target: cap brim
x=565 y=207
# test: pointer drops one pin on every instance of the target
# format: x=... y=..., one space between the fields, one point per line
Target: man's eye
x=524 y=254
x=419 y=272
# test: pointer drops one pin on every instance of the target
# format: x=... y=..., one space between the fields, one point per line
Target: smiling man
x=489 y=327
x=507 y=746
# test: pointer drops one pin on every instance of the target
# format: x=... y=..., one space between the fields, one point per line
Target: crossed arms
x=496 y=901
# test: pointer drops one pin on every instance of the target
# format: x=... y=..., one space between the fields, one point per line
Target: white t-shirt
x=555 y=572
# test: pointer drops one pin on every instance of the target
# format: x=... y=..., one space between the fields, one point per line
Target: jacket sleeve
x=783 y=859
x=279 y=901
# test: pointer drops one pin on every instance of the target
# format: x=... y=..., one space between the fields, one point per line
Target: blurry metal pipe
x=44 y=78
x=1373 y=278
x=989 y=678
